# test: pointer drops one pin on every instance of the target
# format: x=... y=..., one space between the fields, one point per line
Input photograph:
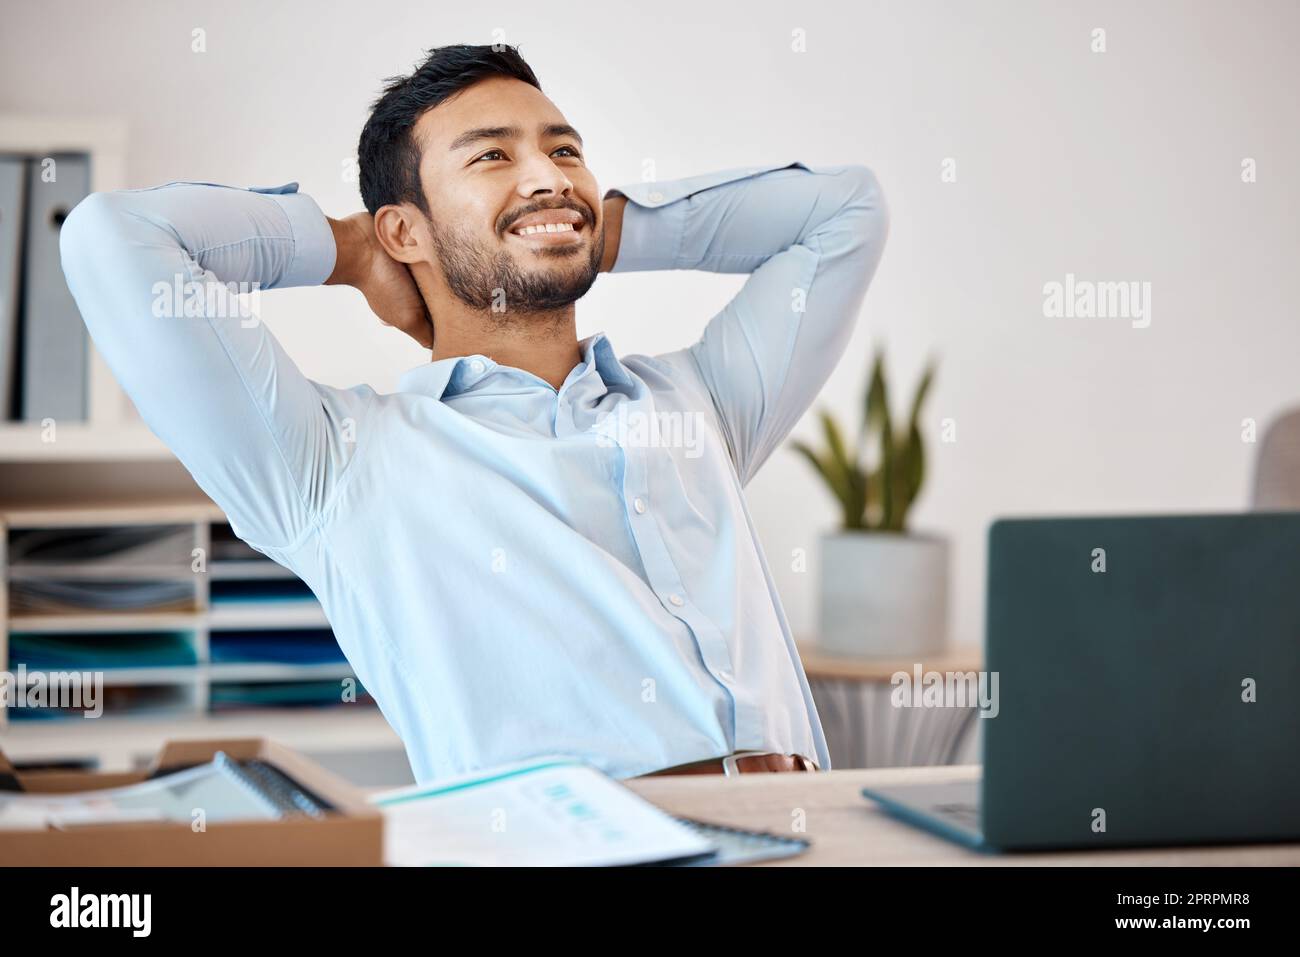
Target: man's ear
x=395 y=230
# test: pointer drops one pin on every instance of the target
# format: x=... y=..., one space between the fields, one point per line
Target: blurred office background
x=1013 y=151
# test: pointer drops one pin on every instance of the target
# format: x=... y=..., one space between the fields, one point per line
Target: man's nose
x=540 y=176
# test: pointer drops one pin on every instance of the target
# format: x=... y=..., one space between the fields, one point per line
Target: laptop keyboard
x=968 y=814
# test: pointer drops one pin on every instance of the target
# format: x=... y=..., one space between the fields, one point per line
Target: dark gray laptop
x=1154 y=702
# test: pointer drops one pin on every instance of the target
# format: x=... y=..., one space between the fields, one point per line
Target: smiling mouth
x=551 y=233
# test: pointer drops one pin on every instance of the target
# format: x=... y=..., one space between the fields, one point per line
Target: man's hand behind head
x=387 y=284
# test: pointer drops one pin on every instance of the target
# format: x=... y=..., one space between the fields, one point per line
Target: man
x=520 y=551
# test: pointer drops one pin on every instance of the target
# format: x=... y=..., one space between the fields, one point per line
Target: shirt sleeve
x=155 y=274
x=810 y=237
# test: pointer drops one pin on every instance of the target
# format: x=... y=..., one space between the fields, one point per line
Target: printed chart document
x=551 y=811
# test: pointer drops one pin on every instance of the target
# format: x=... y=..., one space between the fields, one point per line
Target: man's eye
x=499 y=153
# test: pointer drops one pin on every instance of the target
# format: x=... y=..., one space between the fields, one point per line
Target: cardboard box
x=352 y=835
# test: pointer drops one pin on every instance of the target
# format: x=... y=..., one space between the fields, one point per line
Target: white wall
x=1123 y=165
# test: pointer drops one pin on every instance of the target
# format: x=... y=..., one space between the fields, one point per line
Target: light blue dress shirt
x=511 y=569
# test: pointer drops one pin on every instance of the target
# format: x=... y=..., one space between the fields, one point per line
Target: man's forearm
x=740 y=218
x=353 y=250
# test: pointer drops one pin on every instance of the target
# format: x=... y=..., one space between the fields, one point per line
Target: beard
x=486 y=277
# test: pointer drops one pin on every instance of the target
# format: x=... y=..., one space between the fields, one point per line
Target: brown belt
x=746 y=762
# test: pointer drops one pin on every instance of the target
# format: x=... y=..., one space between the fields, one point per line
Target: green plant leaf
x=889 y=480
x=835 y=441
x=914 y=476
x=911 y=472
x=879 y=499
x=874 y=512
x=877 y=427
x=854 y=480
x=832 y=474
x=909 y=469
x=875 y=411
x=922 y=390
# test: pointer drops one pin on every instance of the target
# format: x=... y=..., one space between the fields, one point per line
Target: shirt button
x=477 y=366
x=639 y=505
x=676 y=599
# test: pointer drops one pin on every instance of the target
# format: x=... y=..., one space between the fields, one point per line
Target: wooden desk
x=848 y=829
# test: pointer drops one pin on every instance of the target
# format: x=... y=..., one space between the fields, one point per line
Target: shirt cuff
x=650 y=236
x=654 y=219
x=314 y=251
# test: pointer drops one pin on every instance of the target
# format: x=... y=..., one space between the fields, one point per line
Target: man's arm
x=811 y=238
x=149 y=269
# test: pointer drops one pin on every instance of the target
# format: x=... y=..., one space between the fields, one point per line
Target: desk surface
x=847 y=829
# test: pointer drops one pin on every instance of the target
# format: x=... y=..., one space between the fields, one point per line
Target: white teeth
x=545 y=228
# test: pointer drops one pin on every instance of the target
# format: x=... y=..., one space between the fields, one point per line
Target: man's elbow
x=91 y=224
x=867 y=201
x=863 y=219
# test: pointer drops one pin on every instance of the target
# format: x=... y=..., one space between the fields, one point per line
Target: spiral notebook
x=737 y=845
x=221 y=790
x=555 y=811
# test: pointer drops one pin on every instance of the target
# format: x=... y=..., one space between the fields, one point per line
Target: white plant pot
x=882 y=594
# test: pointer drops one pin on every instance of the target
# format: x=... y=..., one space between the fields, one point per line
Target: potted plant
x=883 y=589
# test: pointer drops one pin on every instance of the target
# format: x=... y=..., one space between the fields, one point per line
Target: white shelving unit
x=122 y=440
x=342 y=742
x=184 y=692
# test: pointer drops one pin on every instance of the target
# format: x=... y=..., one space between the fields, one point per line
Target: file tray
x=349 y=833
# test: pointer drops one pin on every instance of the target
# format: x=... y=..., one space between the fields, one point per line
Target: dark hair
x=388 y=156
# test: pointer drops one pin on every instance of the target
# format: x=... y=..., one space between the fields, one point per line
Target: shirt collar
x=456 y=374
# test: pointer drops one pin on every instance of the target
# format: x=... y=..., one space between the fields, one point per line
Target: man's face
x=496 y=159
